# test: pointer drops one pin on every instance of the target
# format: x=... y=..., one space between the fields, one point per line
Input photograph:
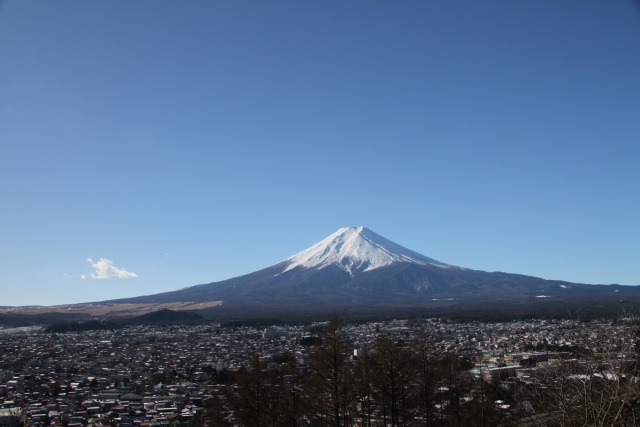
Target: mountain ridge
x=354 y=266
x=355 y=270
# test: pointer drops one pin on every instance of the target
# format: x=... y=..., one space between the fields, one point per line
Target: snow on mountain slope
x=356 y=249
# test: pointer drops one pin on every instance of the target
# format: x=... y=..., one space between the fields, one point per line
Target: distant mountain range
x=357 y=268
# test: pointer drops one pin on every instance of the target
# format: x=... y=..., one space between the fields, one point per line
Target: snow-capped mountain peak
x=356 y=249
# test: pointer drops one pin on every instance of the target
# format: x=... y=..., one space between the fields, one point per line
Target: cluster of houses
x=163 y=375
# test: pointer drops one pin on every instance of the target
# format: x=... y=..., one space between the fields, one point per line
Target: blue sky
x=151 y=145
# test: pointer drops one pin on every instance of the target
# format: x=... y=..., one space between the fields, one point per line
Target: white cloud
x=105 y=269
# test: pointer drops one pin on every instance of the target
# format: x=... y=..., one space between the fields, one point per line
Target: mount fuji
x=355 y=267
x=356 y=249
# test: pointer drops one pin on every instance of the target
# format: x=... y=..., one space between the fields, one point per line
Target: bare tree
x=329 y=381
x=364 y=387
x=293 y=396
x=257 y=399
x=596 y=385
x=423 y=360
x=394 y=379
x=215 y=413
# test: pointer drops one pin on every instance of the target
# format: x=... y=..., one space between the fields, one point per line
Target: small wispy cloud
x=104 y=269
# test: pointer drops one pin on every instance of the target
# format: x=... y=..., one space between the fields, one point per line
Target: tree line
x=400 y=381
x=396 y=382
